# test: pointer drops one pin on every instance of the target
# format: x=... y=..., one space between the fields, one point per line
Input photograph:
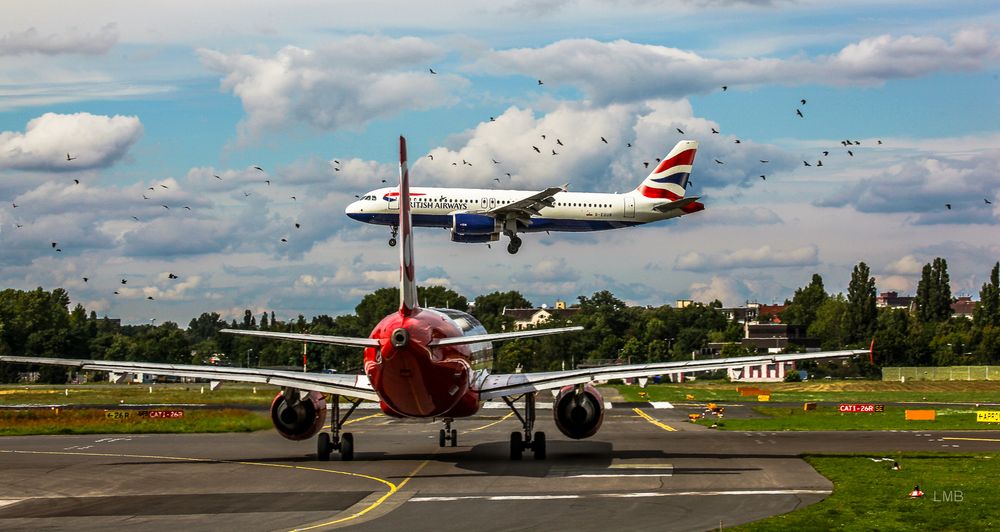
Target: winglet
x=871 y=352
x=407 y=281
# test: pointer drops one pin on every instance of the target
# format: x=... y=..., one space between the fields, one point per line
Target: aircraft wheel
x=538 y=446
x=441 y=438
x=323 y=447
x=511 y=248
x=454 y=437
x=516 y=446
x=347 y=447
x=392 y=242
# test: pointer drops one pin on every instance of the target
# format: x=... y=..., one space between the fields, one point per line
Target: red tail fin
x=407 y=281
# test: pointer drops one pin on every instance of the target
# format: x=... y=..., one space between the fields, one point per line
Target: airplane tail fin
x=670 y=177
x=407 y=280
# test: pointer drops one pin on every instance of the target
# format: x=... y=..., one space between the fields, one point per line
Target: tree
x=830 y=325
x=805 y=303
x=861 y=311
x=934 y=292
x=988 y=310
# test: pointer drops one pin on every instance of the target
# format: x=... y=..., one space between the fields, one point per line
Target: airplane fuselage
x=413 y=380
x=570 y=211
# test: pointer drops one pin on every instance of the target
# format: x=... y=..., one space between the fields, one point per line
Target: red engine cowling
x=298 y=418
x=578 y=414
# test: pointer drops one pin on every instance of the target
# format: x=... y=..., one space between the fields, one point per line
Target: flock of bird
x=548 y=148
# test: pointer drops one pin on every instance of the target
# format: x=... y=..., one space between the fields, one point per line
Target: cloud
x=31 y=41
x=547 y=270
x=729 y=291
x=908 y=265
x=95 y=141
x=343 y=85
x=762 y=257
x=924 y=184
x=625 y=71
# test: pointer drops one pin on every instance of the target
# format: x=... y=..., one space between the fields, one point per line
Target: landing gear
x=514 y=245
x=520 y=442
x=392 y=239
x=448 y=434
x=334 y=440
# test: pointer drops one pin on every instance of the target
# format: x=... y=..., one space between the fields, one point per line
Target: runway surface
x=645 y=468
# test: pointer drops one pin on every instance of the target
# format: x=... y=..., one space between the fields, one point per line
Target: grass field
x=960 y=494
x=861 y=391
x=830 y=418
x=80 y=421
x=234 y=394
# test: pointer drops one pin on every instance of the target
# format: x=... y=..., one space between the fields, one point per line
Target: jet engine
x=464 y=223
x=298 y=417
x=578 y=412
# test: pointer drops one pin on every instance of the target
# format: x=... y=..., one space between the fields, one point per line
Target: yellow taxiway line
x=653 y=420
x=491 y=424
x=972 y=439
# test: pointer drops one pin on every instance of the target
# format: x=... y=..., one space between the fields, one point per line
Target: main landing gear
x=514 y=245
x=334 y=440
x=448 y=434
x=522 y=441
x=394 y=230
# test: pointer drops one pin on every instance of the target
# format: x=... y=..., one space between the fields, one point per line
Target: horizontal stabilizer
x=672 y=205
x=498 y=337
x=308 y=338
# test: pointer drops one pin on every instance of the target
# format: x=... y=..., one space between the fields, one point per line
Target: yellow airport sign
x=988 y=416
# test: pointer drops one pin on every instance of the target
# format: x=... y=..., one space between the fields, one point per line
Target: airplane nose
x=353 y=208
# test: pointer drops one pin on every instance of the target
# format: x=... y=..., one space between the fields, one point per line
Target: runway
x=645 y=468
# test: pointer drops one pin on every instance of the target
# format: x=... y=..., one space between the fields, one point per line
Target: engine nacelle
x=298 y=418
x=578 y=414
x=463 y=223
x=475 y=239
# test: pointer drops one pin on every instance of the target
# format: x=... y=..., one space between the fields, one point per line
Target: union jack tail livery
x=670 y=177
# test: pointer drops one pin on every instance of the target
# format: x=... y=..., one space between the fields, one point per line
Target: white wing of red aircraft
x=481 y=215
x=424 y=363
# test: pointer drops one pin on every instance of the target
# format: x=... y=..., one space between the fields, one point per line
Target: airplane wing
x=531 y=205
x=347 y=385
x=679 y=204
x=499 y=337
x=308 y=338
x=503 y=385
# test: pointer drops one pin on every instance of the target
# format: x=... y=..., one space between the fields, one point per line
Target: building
x=963 y=307
x=753 y=312
x=529 y=318
x=776 y=337
x=894 y=300
x=761 y=372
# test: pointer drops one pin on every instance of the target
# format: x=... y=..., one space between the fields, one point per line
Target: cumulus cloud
x=94 y=141
x=622 y=71
x=924 y=185
x=762 y=257
x=72 y=41
x=729 y=291
x=343 y=85
x=908 y=265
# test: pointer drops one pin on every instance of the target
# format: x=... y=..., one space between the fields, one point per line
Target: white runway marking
x=619 y=495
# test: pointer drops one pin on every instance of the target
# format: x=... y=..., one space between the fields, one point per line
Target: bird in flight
x=737 y=141
x=164 y=186
x=495 y=161
x=85 y=279
x=799 y=112
x=164 y=206
x=268 y=181
x=851 y=153
x=217 y=177
x=284 y=240
x=763 y=177
x=492 y=119
x=819 y=163
x=540 y=82
x=76 y=181
x=136 y=218
x=628 y=144
x=68 y=158
x=724 y=88
x=554 y=152
x=145 y=196
x=497 y=179
x=259 y=168
x=53 y=245
x=646 y=164
x=246 y=194
x=679 y=130
x=559 y=142
x=149 y=298
x=826 y=154
x=715 y=131
x=536 y=149
x=14 y=204
x=171 y=276
x=432 y=71
x=604 y=140
x=430 y=156
x=803 y=101
x=806 y=163
x=297 y=225
x=988 y=202
x=124 y=281
x=188 y=208
x=718 y=161
x=948 y=205
x=880 y=142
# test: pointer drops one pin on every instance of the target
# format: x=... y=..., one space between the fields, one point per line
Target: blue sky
x=168 y=94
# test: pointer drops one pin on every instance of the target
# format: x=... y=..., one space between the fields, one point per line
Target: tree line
x=41 y=323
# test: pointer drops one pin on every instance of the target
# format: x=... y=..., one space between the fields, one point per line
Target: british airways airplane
x=480 y=215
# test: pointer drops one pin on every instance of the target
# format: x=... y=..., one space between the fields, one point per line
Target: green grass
x=868 y=495
x=829 y=418
x=85 y=421
x=856 y=391
x=233 y=394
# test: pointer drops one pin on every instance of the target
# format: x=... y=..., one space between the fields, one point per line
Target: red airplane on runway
x=424 y=363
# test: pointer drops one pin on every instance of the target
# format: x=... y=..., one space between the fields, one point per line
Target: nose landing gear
x=448 y=434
